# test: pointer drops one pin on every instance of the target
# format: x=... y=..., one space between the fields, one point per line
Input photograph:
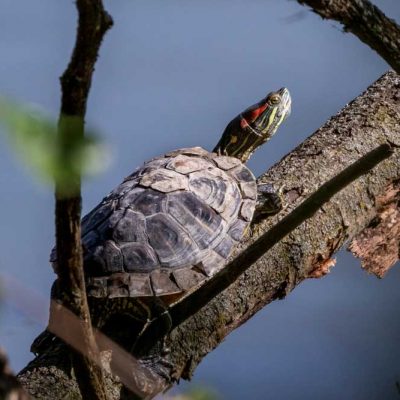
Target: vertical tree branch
x=367 y=22
x=93 y=22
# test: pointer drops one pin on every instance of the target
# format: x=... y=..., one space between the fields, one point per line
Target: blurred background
x=172 y=74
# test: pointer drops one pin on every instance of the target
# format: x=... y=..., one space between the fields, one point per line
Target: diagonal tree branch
x=93 y=22
x=191 y=304
x=372 y=119
x=367 y=22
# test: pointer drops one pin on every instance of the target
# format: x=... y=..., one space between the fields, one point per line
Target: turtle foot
x=269 y=201
x=159 y=363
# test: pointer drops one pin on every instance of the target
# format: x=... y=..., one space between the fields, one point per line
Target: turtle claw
x=269 y=201
x=159 y=364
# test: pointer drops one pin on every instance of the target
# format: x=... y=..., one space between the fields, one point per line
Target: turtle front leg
x=269 y=202
x=150 y=346
x=138 y=325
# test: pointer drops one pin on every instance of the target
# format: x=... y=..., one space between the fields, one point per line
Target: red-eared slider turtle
x=173 y=222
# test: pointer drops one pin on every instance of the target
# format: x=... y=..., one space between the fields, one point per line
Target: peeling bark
x=370 y=120
x=378 y=245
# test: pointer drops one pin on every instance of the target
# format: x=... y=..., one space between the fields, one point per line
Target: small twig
x=367 y=22
x=75 y=83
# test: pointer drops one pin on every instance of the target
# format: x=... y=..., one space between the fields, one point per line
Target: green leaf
x=36 y=140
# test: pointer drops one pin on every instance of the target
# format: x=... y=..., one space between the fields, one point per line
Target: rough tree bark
x=370 y=120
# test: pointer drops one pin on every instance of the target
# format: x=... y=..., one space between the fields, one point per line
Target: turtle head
x=255 y=125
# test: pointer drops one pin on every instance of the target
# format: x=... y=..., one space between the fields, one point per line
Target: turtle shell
x=168 y=226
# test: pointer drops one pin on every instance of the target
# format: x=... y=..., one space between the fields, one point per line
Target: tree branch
x=340 y=145
x=367 y=22
x=191 y=304
x=93 y=23
x=372 y=119
x=10 y=388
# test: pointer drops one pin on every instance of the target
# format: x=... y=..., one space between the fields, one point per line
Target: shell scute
x=149 y=166
x=186 y=164
x=118 y=286
x=237 y=230
x=130 y=196
x=212 y=263
x=233 y=200
x=249 y=190
x=149 y=202
x=139 y=257
x=97 y=216
x=139 y=285
x=226 y=162
x=247 y=210
x=242 y=173
x=209 y=188
x=111 y=256
x=90 y=240
x=122 y=188
x=164 y=180
x=202 y=223
x=224 y=247
x=186 y=278
x=162 y=283
x=171 y=243
x=130 y=228
x=111 y=222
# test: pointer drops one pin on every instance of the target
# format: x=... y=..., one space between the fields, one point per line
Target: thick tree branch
x=367 y=22
x=372 y=119
x=191 y=304
x=75 y=83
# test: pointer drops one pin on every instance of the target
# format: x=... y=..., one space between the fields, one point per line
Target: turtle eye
x=275 y=98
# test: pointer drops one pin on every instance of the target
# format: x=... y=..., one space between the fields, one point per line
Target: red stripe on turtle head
x=252 y=114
